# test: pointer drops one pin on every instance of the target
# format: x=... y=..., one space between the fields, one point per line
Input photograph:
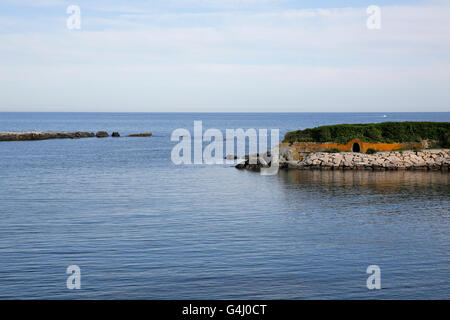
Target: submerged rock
x=140 y=135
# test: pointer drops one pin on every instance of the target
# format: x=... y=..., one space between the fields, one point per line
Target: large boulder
x=79 y=134
x=102 y=134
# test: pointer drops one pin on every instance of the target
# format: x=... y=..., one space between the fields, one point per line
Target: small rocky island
x=381 y=146
x=42 y=135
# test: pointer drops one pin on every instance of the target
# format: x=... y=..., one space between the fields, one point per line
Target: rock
x=263 y=162
x=79 y=134
x=348 y=157
x=292 y=164
x=231 y=157
x=115 y=134
x=347 y=163
x=408 y=163
x=141 y=135
x=337 y=160
x=440 y=160
x=326 y=162
x=241 y=165
x=102 y=134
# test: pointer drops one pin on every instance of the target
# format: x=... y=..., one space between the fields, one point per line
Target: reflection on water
x=376 y=181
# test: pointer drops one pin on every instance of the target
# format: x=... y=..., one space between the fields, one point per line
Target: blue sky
x=224 y=56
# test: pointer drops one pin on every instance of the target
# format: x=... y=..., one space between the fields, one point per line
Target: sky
x=225 y=56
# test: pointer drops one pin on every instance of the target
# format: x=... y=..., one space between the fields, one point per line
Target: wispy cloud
x=287 y=59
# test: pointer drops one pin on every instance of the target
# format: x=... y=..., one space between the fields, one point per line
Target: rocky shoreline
x=433 y=159
x=41 y=135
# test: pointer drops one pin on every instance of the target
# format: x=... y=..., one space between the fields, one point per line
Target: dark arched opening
x=356 y=147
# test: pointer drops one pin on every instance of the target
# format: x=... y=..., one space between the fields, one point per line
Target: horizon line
x=225 y=112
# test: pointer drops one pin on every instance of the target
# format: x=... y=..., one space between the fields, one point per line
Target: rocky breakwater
x=438 y=159
x=40 y=135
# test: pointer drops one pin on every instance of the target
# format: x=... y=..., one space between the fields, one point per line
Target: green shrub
x=324 y=134
x=373 y=133
x=387 y=132
x=371 y=151
x=444 y=139
x=333 y=150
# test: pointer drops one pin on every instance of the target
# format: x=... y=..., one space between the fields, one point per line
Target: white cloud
x=292 y=60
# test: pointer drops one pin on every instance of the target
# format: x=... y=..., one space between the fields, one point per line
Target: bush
x=387 y=132
x=444 y=140
x=324 y=134
x=371 y=151
x=374 y=133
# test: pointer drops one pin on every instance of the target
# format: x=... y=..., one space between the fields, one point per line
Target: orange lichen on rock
x=299 y=149
x=351 y=146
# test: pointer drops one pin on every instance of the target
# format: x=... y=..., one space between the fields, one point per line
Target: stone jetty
x=429 y=159
x=40 y=135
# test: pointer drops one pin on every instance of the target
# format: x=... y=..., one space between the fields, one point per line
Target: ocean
x=140 y=227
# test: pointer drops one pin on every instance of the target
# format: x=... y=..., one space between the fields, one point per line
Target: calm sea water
x=140 y=227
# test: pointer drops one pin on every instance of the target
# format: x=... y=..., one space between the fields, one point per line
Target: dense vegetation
x=375 y=132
